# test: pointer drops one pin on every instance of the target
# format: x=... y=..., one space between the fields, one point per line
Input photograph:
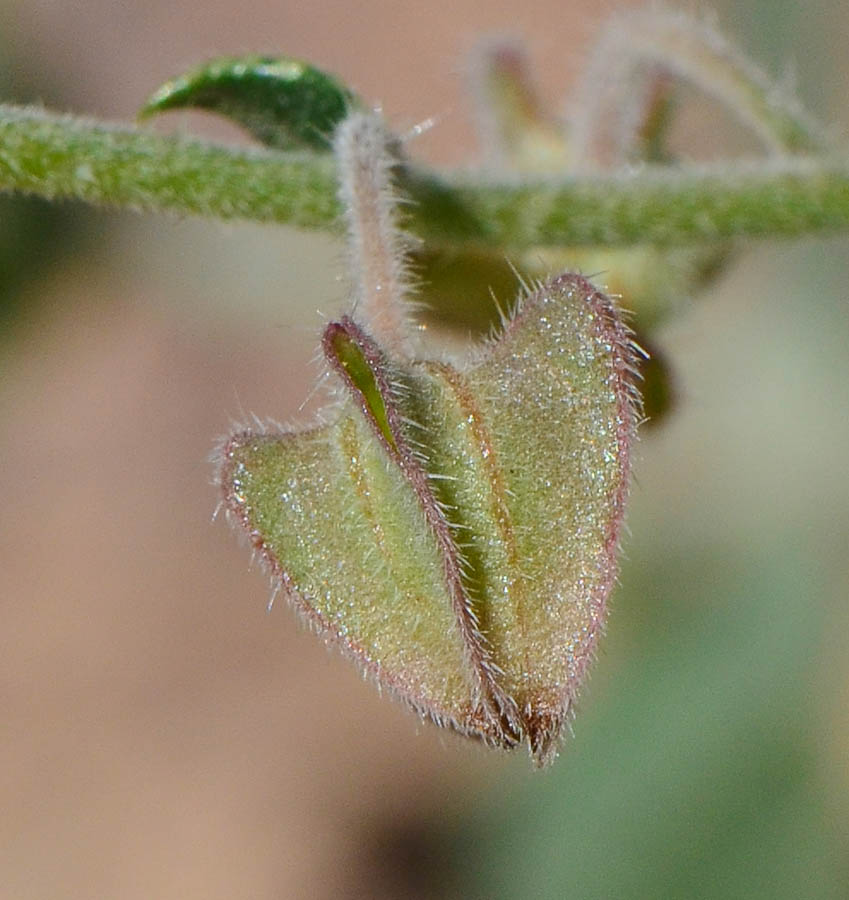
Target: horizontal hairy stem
x=62 y=157
x=657 y=205
x=66 y=157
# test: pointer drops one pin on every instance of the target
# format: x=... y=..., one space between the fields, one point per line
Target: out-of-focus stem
x=637 y=45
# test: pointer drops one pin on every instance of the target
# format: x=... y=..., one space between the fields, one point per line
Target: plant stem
x=63 y=157
x=66 y=157
x=637 y=45
x=655 y=206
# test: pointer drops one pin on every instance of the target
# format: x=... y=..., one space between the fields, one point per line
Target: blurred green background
x=162 y=736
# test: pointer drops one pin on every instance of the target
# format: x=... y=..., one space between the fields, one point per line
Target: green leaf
x=454 y=528
x=284 y=103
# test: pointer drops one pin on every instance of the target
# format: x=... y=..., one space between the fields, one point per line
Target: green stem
x=62 y=157
x=657 y=206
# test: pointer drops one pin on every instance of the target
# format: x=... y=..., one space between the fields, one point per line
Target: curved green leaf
x=284 y=103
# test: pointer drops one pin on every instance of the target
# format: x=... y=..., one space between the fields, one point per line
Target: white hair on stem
x=377 y=246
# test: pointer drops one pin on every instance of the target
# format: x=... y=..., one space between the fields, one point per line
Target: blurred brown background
x=161 y=736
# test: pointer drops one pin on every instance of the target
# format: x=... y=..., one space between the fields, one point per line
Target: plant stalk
x=64 y=157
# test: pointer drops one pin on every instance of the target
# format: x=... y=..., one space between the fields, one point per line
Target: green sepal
x=465 y=564
x=283 y=102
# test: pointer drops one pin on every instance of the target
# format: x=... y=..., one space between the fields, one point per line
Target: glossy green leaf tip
x=349 y=357
x=284 y=103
